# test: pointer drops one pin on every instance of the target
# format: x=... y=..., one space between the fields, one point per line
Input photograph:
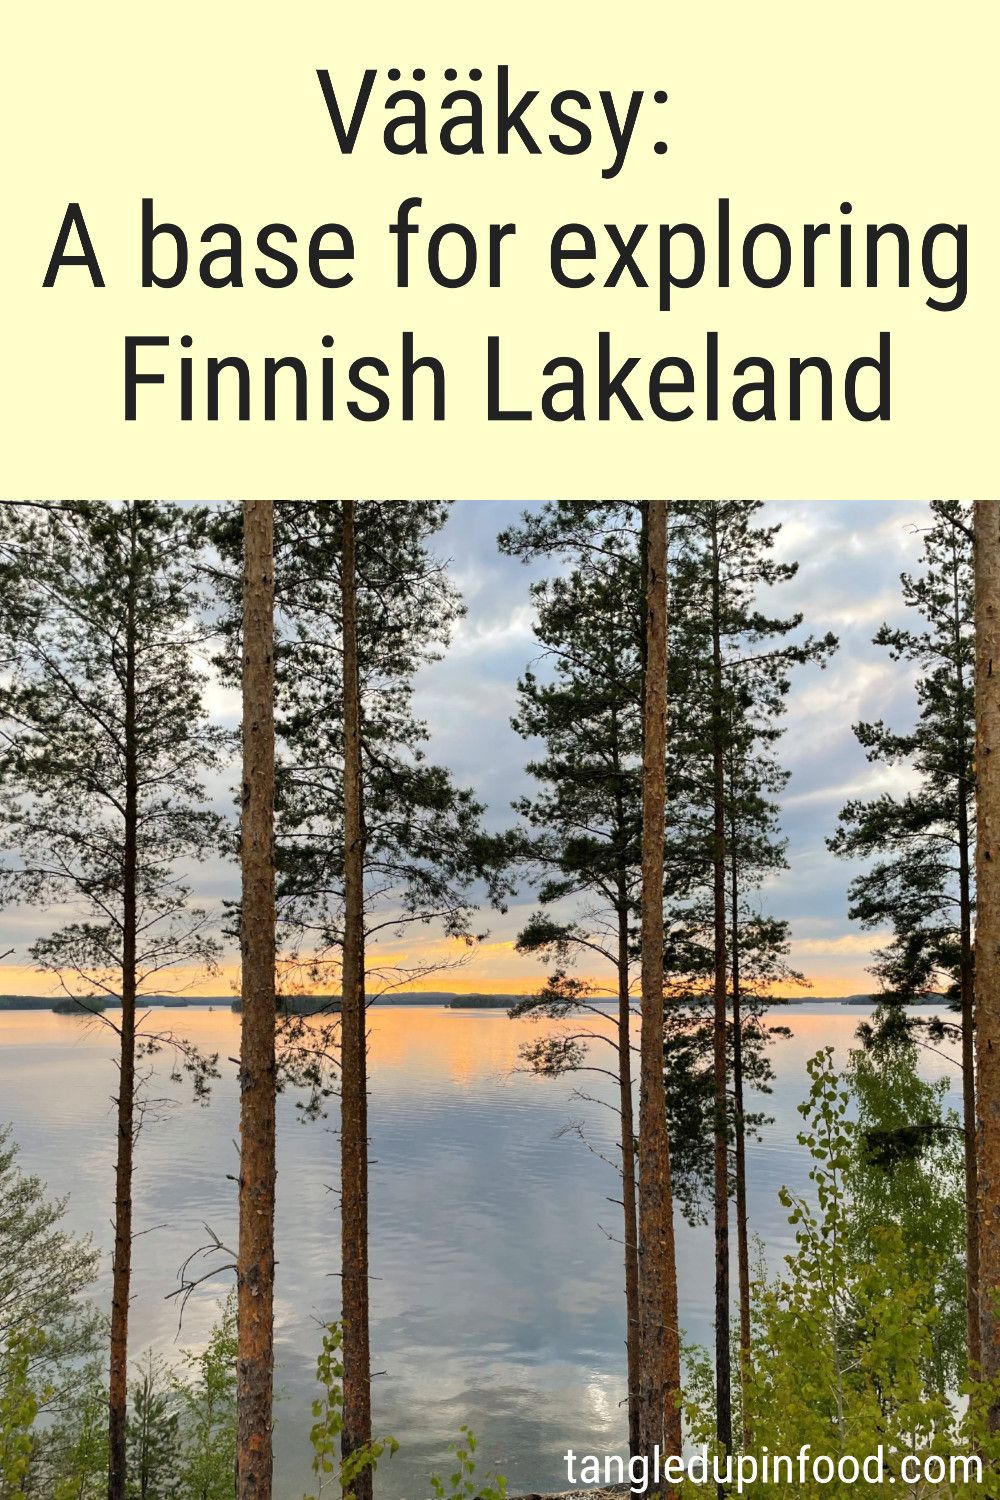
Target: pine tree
x=921 y=879
x=758 y=964
x=734 y=661
x=758 y=951
x=374 y=841
x=106 y=741
x=357 y=1429
x=659 y=1330
x=585 y=824
x=584 y=836
x=153 y=1433
x=258 y=1079
x=987 y=949
x=729 y=673
x=424 y=842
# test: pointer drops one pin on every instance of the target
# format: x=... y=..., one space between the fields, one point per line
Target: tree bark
x=623 y=836
x=967 y=994
x=122 y=1265
x=720 y=1068
x=659 y=1376
x=987 y=952
x=628 y=1174
x=255 y=1259
x=739 y=1121
x=356 y=1432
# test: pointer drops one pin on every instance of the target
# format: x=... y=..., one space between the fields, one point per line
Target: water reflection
x=497 y=1294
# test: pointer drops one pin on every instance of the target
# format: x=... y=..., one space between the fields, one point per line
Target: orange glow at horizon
x=495 y=968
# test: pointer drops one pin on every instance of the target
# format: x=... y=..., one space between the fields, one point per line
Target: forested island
x=39 y=1002
x=642 y=857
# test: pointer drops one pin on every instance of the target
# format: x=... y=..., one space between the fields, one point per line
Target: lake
x=496 y=1297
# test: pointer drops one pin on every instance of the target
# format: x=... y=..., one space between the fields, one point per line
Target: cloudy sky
x=850 y=555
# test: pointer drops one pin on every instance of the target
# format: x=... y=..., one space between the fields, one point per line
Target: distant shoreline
x=96 y=1003
x=312 y=1004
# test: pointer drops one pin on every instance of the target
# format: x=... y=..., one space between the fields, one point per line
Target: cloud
x=851 y=944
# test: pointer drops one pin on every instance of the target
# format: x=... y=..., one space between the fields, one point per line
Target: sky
x=850 y=555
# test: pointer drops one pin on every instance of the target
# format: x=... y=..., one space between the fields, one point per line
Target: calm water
x=497 y=1299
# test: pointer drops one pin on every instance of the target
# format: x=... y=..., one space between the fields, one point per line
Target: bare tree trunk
x=356 y=1431
x=255 y=1260
x=623 y=835
x=739 y=1120
x=122 y=1267
x=659 y=1346
x=720 y=1070
x=628 y=1175
x=967 y=993
x=987 y=532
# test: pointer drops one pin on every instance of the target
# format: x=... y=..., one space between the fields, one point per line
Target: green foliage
x=688 y=1048
x=102 y=674
x=328 y=1423
x=461 y=1483
x=181 y=1426
x=583 y=817
x=919 y=878
x=46 y=1321
x=907 y=1173
x=19 y=1405
x=75 y=1451
x=153 y=1433
x=44 y=1274
x=205 y=1394
x=845 y=1355
x=731 y=665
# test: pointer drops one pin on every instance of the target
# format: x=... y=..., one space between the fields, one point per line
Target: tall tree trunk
x=356 y=1431
x=720 y=1069
x=659 y=1345
x=967 y=994
x=739 y=1119
x=255 y=1260
x=623 y=842
x=122 y=1267
x=628 y=1173
x=987 y=531
x=643 y=623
